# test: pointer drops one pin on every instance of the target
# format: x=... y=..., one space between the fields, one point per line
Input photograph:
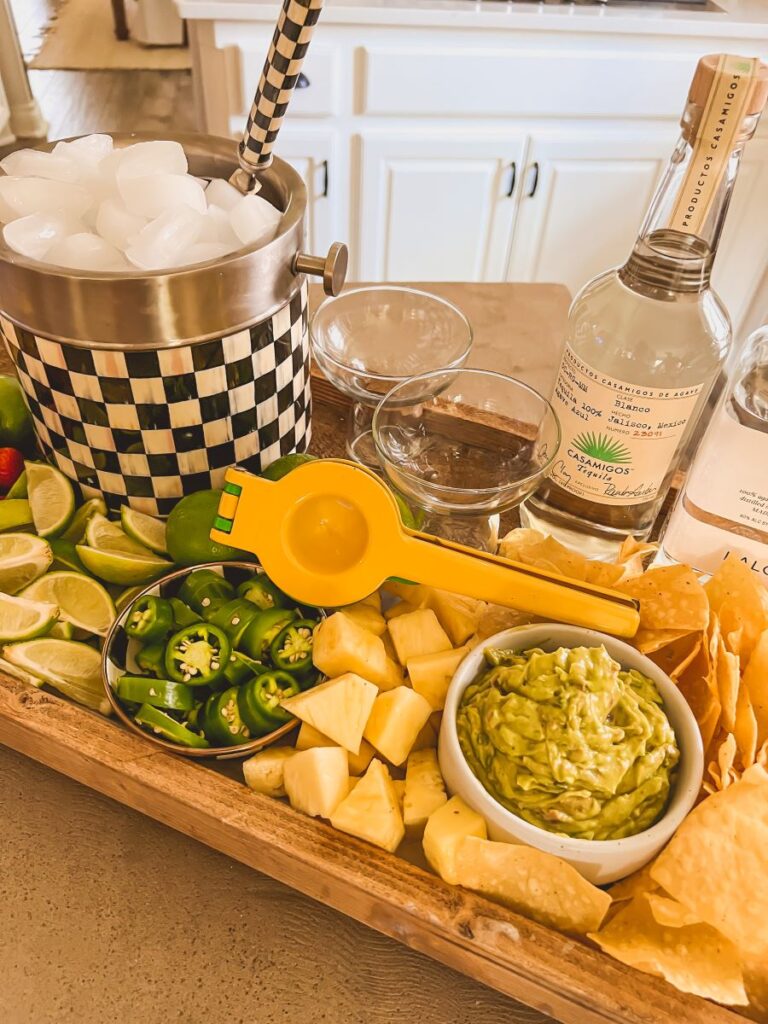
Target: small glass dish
x=465 y=446
x=367 y=340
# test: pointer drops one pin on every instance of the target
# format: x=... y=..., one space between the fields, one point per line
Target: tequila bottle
x=647 y=341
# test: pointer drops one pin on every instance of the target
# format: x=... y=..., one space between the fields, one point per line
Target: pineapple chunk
x=445 y=829
x=424 y=788
x=395 y=721
x=310 y=737
x=430 y=674
x=365 y=617
x=427 y=738
x=371 y=810
x=374 y=600
x=343 y=646
x=264 y=771
x=389 y=647
x=395 y=610
x=338 y=708
x=533 y=883
x=317 y=780
x=417 y=633
x=458 y=615
x=399 y=786
x=413 y=593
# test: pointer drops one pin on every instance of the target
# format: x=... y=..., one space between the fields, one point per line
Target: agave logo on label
x=603 y=448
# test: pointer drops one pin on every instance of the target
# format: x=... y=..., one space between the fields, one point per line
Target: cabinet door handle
x=302 y=82
x=512 y=179
x=535 y=182
x=324 y=191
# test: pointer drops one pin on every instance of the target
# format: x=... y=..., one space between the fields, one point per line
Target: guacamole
x=569 y=741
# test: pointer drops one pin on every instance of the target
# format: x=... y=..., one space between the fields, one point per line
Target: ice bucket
x=147 y=386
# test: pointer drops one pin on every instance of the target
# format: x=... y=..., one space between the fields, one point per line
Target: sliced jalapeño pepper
x=204 y=587
x=261 y=591
x=259 y=701
x=167 y=727
x=263 y=630
x=234 y=618
x=291 y=649
x=183 y=615
x=239 y=668
x=150 y=619
x=151 y=658
x=197 y=655
x=221 y=721
x=160 y=693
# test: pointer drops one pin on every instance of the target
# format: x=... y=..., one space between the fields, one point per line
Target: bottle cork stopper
x=717 y=66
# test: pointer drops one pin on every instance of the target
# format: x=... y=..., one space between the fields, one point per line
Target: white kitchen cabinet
x=437 y=206
x=314 y=154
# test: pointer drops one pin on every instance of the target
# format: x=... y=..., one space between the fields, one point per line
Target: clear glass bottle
x=647 y=341
x=723 y=507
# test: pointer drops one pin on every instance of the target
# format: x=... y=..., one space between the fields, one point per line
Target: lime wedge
x=51 y=497
x=15 y=514
x=23 y=618
x=70 y=667
x=145 y=529
x=23 y=557
x=62 y=630
x=19 y=673
x=81 y=600
x=126 y=597
x=101 y=535
x=65 y=556
x=18 y=487
x=121 y=567
x=75 y=532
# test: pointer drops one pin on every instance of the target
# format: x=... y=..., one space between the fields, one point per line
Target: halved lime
x=145 y=529
x=18 y=487
x=70 y=667
x=81 y=600
x=23 y=557
x=62 y=630
x=75 y=532
x=51 y=497
x=23 y=618
x=102 y=535
x=15 y=514
x=120 y=567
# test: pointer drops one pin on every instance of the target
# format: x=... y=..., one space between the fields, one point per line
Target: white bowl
x=600 y=861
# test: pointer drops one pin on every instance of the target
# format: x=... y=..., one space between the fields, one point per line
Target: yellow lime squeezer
x=329 y=534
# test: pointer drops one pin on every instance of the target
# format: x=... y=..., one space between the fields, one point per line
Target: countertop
x=736 y=17
x=107 y=917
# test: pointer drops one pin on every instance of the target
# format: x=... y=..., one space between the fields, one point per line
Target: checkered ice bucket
x=147 y=387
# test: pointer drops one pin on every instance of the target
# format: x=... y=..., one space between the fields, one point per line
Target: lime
x=189 y=529
x=75 y=532
x=23 y=557
x=121 y=567
x=62 y=630
x=51 y=497
x=18 y=487
x=282 y=467
x=102 y=535
x=145 y=529
x=68 y=666
x=65 y=556
x=126 y=597
x=23 y=618
x=81 y=600
x=19 y=673
x=15 y=420
x=15 y=514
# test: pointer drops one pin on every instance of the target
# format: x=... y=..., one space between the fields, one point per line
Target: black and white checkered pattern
x=278 y=79
x=145 y=428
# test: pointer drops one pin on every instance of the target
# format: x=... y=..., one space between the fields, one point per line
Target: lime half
x=102 y=535
x=23 y=619
x=75 y=532
x=128 y=570
x=51 y=497
x=145 y=529
x=18 y=487
x=70 y=667
x=15 y=514
x=23 y=558
x=65 y=556
x=62 y=630
x=81 y=600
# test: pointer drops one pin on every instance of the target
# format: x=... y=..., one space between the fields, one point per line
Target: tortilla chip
x=745 y=730
x=648 y=641
x=694 y=958
x=703 y=703
x=670 y=597
x=740 y=599
x=669 y=913
x=677 y=655
x=755 y=681
x=724 y=839
x=728 y=682
x=603 y=574
x=632 y=555
x=496 y=617
x=633 y=885
x=756 y=983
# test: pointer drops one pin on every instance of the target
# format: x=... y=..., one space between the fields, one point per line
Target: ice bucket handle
x=278 y=79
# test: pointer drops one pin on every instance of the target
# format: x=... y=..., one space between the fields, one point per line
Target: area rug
x=81 y=37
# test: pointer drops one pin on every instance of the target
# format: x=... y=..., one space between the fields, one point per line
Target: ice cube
x=151 y=196
x=115 y=224
x=150 y=158
x=34 y=163
x=201 y=252
x=88 y=149
x=165 y=240
x=221 y=193
x=34 y=235
x=218 y=229
x=86 y=251
x=20 y=197
x=254 y=220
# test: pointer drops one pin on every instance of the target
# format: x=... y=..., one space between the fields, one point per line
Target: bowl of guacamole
x=573 y=742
